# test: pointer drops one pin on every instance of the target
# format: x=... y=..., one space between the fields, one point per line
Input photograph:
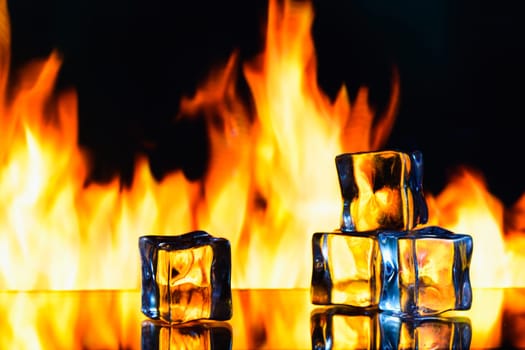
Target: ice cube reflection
x=338 y=327
x=209 y=335
x=269 y=319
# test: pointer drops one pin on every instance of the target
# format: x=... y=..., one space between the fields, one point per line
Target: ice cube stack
x=383 y=256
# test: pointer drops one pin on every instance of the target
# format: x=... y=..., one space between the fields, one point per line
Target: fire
x=270 y=184
x=253 y=193
x=480 y=214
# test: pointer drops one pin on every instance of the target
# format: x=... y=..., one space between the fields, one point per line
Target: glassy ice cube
x=215 y=335
x=343 y=328
x=425 y=271
x=381 y=190
x=186 y=277
x=346 y=269
x=424 y=333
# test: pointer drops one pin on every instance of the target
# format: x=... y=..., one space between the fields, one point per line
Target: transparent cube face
x=436 y=290
x=196 y=335
x=186 y=277
x=425 y=271
x=346 y=269
x=337 y=329
x=381 y=190
x=424 y=333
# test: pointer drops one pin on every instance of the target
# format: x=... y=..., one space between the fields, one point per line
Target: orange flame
x=270 y=184
x=253 y=193
x=271 y=181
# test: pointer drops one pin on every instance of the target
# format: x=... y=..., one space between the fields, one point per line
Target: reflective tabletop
x=262 y=319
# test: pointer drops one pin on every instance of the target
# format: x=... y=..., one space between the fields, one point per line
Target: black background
x=461 y=65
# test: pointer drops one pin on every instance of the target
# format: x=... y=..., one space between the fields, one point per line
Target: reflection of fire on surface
x=58 y=234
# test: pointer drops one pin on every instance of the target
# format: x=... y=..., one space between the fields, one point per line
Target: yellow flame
x=271 y=183
x=466 y=206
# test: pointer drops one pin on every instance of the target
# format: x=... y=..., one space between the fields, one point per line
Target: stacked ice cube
x=383 y=256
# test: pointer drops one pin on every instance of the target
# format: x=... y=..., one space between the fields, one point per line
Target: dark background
x=461 y=65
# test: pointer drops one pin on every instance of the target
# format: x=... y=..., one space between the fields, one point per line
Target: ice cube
x=186 y=277
x=424 y=333
x=381 y=190
x=346 y=269
x=425 y=271
x=343 y=328
x=212 y=335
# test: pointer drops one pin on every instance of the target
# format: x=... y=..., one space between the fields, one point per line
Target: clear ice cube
x=425 y=271
x=186 y=277
x=342 y=328
x=346 y=269
x=424 y=333
x=213 y=335
x=381 y=190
